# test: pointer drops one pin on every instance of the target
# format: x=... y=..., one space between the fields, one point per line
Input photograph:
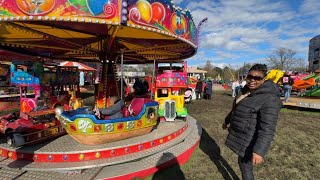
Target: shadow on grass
x=174 y=172
x=227 y=94
x=210 y=147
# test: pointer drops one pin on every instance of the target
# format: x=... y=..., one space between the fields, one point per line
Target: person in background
x=238 y=87
x=235 y=88
x=81 y=74
x=204 y=90
x=287 y=83
x=253 y=119
x=243 y=83
x=198 y=89
x=146 y=86
x=138 y=87
x=208 y=90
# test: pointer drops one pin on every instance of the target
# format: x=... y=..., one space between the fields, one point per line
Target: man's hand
x=256 y=159
x=96 y=112
x=224 y=126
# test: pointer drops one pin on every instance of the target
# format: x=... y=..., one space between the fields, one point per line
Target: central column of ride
x=107 y=86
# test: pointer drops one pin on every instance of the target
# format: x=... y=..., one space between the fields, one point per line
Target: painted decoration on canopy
x=35 y=7
x=97 y=7
x=161 y=15
x=102 y=9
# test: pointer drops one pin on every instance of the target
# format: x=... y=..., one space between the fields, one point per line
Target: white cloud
x=310 y=7
x=237 y=38
x=223 y=55
x=238 y=12
x=249 y=29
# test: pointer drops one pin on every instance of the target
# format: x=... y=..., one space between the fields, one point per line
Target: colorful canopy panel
x=86 y=30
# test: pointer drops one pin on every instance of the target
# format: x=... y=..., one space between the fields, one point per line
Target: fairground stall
x=9 y=95
x=106 y=32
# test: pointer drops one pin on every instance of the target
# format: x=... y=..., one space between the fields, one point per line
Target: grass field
x=294 y=154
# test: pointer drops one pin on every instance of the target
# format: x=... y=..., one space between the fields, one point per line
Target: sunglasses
x=256 y=78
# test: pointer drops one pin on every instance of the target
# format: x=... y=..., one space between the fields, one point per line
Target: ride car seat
x=125 y=112
x=136 y=105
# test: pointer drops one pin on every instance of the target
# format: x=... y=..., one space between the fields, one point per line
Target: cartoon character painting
x=36 y=7
x=151 y=115
x=178 y=23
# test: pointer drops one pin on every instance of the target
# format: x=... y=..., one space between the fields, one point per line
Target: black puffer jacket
x=253 y=120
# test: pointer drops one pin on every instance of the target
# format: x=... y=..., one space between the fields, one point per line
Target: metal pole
x=121 y=74
x=153 y=74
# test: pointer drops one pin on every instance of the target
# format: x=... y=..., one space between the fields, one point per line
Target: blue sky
x=248 y=31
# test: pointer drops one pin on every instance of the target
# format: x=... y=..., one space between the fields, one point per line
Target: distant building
x=314 y=54
x=193 y=71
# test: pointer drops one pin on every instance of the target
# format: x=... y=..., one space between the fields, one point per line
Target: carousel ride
x=106 y=32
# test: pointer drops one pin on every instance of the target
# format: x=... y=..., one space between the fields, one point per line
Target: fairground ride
x=169 y=90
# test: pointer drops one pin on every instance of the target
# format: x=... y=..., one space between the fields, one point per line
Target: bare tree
x=215 y=73
x=300 y=65
x=208 y=66
x=228 y=74
x=282 y=58
x=148 y=69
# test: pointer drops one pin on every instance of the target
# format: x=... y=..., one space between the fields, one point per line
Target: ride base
x=64 y=158
x=303 y=102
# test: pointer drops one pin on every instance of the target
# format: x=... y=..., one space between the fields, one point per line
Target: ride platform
x=63 y=157
x=303 y=102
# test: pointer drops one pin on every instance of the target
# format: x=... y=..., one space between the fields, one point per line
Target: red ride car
x=31 y=127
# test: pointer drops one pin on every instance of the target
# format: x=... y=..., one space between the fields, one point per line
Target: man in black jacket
x=208 y=89
x=253 y=119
